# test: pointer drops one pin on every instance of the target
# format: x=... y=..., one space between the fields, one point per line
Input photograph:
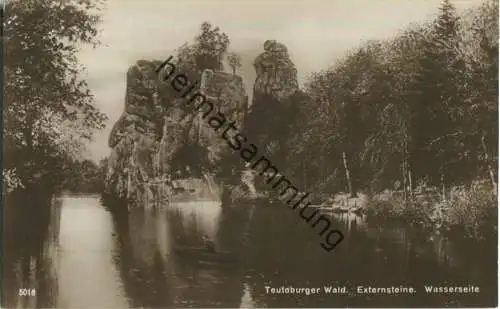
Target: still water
x=82 y=255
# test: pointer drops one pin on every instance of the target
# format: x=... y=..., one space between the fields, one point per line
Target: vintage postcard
x=249 y=154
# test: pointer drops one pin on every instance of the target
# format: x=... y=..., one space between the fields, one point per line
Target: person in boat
x=208 y=244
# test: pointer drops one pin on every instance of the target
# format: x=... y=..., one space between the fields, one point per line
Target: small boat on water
x=203 y=255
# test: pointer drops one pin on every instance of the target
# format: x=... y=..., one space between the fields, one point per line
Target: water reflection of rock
x=200 y=284
x=87 y=274
x=193 y=220
x=155 y=277
x=86 y=257
x=142 y=258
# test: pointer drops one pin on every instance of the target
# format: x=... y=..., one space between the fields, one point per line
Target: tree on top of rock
x=207 y=52
x=210 y=46
x=234 y=61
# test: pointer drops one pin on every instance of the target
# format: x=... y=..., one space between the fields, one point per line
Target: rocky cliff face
x=276 y=73
x=273 y=93
x=156 y=126
x=134 y=137
x=227 y=93
x=275 y=84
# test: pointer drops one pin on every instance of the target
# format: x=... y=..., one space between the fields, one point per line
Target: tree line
x=420 y=108
x=48 y=111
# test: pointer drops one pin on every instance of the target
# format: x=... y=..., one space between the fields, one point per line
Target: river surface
x=83 y=255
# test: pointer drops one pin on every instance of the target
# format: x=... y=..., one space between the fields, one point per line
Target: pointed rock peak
x=276 y=73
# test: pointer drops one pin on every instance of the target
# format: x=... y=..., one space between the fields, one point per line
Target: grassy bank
x=467 y=211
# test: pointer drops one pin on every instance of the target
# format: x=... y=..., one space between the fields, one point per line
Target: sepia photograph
x=249 y=154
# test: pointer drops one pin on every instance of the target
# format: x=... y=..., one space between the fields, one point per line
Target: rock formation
x=134 y=136
x=157 y=128
x=273 y=93
x=156 y=125
x=276 y=73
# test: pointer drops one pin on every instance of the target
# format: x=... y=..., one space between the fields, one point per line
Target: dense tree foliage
x=48 y=109
x=421 y=107
x=206 y=52
x=89 y=179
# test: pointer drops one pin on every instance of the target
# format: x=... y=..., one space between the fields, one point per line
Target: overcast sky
x=316 y=32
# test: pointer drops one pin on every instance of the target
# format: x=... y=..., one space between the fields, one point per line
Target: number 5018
x=27 y=292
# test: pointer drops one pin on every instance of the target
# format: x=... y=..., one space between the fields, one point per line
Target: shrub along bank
x=467 y=211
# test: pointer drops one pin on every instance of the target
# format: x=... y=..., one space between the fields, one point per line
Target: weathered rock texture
x=156 y=125
x=275 y=84
x=226 y=92
x=276 y=73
